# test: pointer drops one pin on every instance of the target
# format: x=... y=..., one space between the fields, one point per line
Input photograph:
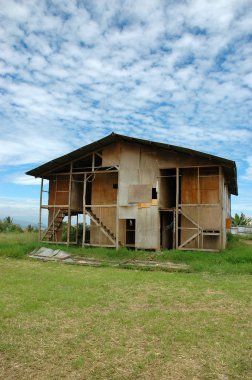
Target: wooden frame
x=139 y=159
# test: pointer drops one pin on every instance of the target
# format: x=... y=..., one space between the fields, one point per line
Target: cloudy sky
x=73 y=71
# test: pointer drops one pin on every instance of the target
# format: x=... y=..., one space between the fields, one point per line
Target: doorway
x=167 y=202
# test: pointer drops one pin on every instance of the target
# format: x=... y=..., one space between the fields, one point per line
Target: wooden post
x=198 y=200
x=40 y=207
x=55 y=199
x=93 y=162
x=221 y=209
x=69 y=204
x=117 y=215
x=84 y=210
x=177 y=202
x=76 y=236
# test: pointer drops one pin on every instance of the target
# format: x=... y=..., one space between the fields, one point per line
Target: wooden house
x=137 y=193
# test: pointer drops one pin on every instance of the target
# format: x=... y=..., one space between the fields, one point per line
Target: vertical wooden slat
x=174 y=230
x=198 y=201
x=40 y=207
x=76 y=236
x=177 y=202
x=93 y=162
x=84 y=209
x=54 y=211
x=69 y=204
x=221 y=207
x=117 y=222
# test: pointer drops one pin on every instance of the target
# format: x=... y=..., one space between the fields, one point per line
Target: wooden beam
x=69 y=205
x=199 y=204
x=84 y=209
x=90 y=172
x=55 y=193
x=221 y=245
x=199 y=249
x=50 y=206
x=100 y=245
x=40 y=208
x=177 y=203
x=198 y=197
x=70 y=162
x=93 y=161
x=100 y=206
x=117 y=216
x=77 y=223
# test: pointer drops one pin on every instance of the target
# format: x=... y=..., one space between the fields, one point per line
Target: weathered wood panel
x=111 y=155
x=139 y=193
x=128 y=212
x=104 y=193
x=147 y=228
x=129 y=171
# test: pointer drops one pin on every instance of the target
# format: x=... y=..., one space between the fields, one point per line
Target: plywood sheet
x=139 y=193
x=209 y=218
x=128 y=212
x=111 y=155
x=148 y=165
x=147 y=228
x=129 y=171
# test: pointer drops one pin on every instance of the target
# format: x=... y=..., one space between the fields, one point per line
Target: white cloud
x=23 y=209
x=248 y=173
x=21 y=179
x=71 y=72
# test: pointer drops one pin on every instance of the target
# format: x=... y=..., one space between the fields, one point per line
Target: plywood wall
x=147 y=228
x=103 y=193
x=58 y=192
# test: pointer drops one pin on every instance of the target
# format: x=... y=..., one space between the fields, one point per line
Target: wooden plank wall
x=208 y=217
x=103 y=193
x=60 y=197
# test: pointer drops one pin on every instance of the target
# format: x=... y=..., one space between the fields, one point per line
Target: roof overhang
x=228 y=165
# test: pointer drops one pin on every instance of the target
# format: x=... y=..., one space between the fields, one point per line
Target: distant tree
x=8 y=220
x=241 y=220
x=7 y=225
x=31 y=228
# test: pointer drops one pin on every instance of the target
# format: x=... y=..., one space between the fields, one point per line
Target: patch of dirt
x=249 y=242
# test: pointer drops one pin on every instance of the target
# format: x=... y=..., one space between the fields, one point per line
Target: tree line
x=7 y=225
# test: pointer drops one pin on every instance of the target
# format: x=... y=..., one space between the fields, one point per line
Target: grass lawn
x=61 y=321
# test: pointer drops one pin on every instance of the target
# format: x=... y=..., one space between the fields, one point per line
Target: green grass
x=59 y=321
x=237 y=258
x=17 y=245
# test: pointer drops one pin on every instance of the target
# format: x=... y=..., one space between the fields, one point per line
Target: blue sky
x=71 y=72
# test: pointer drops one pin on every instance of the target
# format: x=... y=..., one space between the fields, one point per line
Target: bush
x=7 y=225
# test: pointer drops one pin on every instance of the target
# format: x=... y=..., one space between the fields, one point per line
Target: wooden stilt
x=117 y=226
x=54 y=210
x=77 y=223
x=221 y=245
x=84 y=209
x=93 y=161
x=177 y=211
x=198 y=200
x=40 y=208
x=69 y=204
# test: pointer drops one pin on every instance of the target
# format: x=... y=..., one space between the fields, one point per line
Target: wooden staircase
x=54 y=226
x=110 y=235
x=194 y=236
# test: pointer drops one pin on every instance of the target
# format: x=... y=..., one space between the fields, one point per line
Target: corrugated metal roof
x=229 y=166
